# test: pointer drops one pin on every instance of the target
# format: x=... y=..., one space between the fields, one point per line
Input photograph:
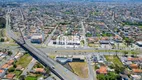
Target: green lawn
x=24 y=60
x=17 y=73
x=2 y=33
x=140 y=27
x=93 y=45
x=114 y=59
x=121 y=45
x=109 y=76
x=38 y=65
x=30 y=78
x=52 y=56
x=81 y=43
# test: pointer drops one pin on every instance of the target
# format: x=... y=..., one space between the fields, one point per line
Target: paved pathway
x=29 y=67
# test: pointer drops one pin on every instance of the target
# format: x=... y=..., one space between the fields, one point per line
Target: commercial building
x=139 y=43
x=65 y=59
x=36 y=39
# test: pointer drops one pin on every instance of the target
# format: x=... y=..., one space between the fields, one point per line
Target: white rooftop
x=139 y=42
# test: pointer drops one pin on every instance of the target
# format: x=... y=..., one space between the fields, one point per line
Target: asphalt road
x=92 y=74
x=84 y=34
x=50 y=36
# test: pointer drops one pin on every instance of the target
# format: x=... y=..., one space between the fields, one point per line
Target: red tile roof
x=137 y=70
x=102 y=70
x=1 y=71
x=10 y=76
x=134 y=66
x=5 y=66
x=133 y=59
x=11 y=61
x=40 y=70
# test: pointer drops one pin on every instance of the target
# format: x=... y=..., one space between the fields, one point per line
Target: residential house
x=102 y=70
x=10 y=76
x=40 y=70
x=5 y=66
x=2 y=73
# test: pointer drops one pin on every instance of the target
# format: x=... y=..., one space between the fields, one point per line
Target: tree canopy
x=2 y=22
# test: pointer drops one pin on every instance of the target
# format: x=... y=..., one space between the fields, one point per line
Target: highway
x=56 y=68
x=59 y=51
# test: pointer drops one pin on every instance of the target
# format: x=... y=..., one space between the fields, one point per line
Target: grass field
x=17 y=73
x=80 y=68
x=24 y=60
x=52 y=56
x=30 y=78
x=140 y=27
x=93 y=45
x=81 y=43
x=121 y=45
x=114 y=59
x=2 y=33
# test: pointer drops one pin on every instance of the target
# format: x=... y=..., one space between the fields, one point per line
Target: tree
x=11 y=69
x=116 y=52
x=2 y=40
x=39 y=65
x=14 y=65
x=125 y=52
x=108 y=76
x=111 y=76
x=22 y=77
x=82 y=41
x=88 y=34
x=47 y=70
x=134 y=53
x=2 y=22
x=128 y=41
x=101 y=77
x=119 y=69
x=10 y=53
